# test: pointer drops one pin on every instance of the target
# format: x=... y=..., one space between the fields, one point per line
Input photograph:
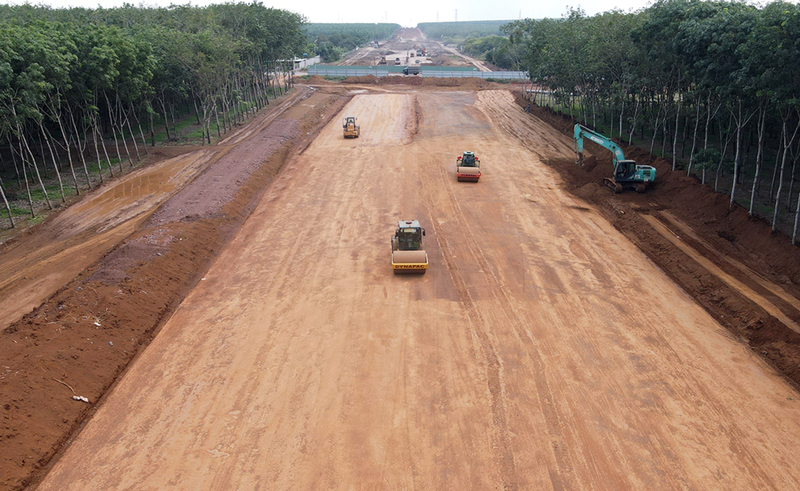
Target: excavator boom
x=581 y=131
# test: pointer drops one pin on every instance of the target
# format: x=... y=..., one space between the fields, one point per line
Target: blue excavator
x=627 y=173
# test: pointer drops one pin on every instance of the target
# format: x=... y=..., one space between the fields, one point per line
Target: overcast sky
x=405 y=12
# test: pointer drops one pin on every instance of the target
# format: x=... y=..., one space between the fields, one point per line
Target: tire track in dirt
x=719 y=273
x=564 y=476
x=496 y=384
x=771 y=287
x=493 y=365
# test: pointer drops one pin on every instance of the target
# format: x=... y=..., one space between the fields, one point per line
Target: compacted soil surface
x=248 y=333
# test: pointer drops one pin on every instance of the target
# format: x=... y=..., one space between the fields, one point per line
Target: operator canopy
x=468 y=159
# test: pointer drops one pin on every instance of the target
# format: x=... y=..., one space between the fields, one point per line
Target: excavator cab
x=625 y=168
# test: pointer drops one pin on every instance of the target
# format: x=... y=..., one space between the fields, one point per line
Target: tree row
x=83 y=84
x=710 y=84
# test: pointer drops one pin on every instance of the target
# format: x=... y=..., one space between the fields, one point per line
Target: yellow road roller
x=408 y=256
x=350 y=128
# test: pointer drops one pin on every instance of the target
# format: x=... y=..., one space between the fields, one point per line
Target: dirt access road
x=541 y=351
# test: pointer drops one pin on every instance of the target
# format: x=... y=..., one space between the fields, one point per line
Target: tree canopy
x=709 y=73
x=71 y=77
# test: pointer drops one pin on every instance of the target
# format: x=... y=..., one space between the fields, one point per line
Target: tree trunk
x=694 y=139
x=133 y=138
x=677 y=130
x=791 y=183
x=787 y=143
x=152 y=130
x=55 y=163
x=794 y=232
x=775 y=169
x=11 y=217
x=80 y=151
x=216 y=118
x=69 y=155
x=166 y=121
x=739 y=124
x=122 y=120
x=196 y=112
x=23 y=140
x=633 y=124
x=141 y=133
x=113 y=131
x=762 y=118
x=722 y=157
x=95 y=131
x=655 y=130
x=25 y=178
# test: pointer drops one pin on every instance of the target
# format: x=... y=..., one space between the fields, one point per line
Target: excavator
x=408 y=256
x=627 y=173
x=351 y=129
x=468 y=167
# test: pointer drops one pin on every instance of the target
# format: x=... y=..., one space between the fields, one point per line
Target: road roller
x=408 y=256
x=468 y=167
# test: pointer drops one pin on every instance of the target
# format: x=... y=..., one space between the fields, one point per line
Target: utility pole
x=456 y=15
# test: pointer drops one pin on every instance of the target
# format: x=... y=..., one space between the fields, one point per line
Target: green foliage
x=462 y=30
x=328 y=52
x=347 y=36
x=707 y=158
x=71 y=76
x=680 y=73
x=495 y=49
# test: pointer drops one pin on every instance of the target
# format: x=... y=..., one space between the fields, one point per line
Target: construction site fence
x=344 y=72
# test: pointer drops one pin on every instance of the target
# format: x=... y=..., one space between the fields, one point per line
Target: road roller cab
x=468 y=167
x=408 y=256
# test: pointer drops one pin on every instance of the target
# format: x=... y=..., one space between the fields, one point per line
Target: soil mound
x=366 y=79
x=588 y=190
x=315 y=79
x=466 y=82
x=590 y=163
x=413 y=81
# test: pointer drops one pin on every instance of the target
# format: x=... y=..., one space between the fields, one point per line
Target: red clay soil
x=81 y=339
x=723 y=232
x=417 y=81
